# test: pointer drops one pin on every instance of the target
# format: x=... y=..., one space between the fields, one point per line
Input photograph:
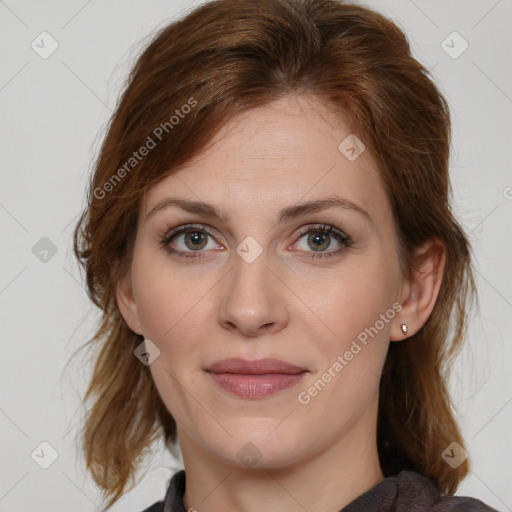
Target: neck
x=328 y=480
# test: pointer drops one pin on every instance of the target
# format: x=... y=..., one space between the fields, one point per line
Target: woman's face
x=318 y=289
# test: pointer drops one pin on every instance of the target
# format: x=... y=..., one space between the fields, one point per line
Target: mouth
x=256 y=378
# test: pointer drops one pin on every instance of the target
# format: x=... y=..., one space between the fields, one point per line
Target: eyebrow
x=288 y=213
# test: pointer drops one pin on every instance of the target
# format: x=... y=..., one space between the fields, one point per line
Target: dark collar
x=406 y=492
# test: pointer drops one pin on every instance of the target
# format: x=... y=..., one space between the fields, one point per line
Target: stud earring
x=404 y=329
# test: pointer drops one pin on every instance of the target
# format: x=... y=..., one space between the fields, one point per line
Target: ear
x=126 y=303
x=419 y=294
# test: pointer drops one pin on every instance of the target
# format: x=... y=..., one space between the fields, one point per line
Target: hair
x=226 y=57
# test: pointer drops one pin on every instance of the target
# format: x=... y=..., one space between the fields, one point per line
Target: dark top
x=406 y=492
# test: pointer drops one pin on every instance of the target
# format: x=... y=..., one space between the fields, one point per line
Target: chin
x=254 y=448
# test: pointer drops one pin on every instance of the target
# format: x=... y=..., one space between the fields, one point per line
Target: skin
x=286 y=305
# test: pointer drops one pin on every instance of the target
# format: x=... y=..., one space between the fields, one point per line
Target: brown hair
x=226 y=57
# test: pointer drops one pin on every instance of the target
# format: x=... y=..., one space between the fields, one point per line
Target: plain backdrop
x=53 y=115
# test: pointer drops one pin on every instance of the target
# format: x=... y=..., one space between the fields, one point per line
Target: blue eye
x=194 y=240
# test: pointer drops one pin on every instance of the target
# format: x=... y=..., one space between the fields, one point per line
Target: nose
x=254 y=299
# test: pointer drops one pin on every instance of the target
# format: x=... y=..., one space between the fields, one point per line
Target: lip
x=242 y=366
x=255 y=378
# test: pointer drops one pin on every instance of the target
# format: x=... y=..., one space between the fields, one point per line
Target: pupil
x=318 y=237
x=195 y=237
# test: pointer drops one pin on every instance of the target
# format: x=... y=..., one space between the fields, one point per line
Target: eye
x=320 y=238
x=190 y=239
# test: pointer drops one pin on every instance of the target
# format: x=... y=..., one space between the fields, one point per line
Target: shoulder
x=460 y=504
x=173 y=500
x=156 y=507
x=420 y=489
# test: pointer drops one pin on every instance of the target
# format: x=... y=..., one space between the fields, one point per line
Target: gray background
x=54 y=112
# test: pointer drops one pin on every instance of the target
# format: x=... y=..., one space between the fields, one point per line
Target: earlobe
x=422 y=291
x=127 y=305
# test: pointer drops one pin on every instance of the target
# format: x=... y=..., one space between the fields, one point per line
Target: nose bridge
x=252 y=301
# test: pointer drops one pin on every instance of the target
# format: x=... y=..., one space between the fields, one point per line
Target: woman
x=282 y=281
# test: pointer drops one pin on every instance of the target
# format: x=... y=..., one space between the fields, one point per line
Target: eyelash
x=321 y=228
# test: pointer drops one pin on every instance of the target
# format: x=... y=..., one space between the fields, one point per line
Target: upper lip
x=254 y=367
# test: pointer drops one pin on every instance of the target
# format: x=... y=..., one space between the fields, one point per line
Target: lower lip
x=256 y=386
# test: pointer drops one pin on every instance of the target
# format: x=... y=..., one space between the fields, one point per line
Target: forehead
x=290 y=150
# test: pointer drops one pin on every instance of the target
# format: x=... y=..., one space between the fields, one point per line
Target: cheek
x=175 y=313
x=351 y=341
x=157 y=307
x=165 y=297
x=172 y=310
x=351 y=300
x=358 y=314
